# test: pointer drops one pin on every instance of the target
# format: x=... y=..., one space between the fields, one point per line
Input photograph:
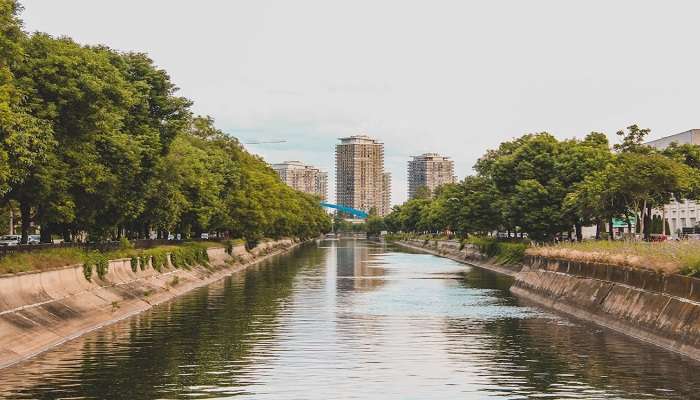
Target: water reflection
x=354 y=267
x=352 y=319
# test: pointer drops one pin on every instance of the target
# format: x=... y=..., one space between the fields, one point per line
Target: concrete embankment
x=663 y=310
x=39 y=310
x=452 y=249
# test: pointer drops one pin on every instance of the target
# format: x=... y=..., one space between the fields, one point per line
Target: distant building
x=429 y=170
x=688 y=137
x=684 y=214
x=304 y=178
x=359 y=174
x=386 y=184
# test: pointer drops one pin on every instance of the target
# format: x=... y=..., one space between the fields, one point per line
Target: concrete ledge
x=40 y=310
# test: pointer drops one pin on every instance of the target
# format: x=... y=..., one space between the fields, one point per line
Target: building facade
x=679 y=214
x=429 y=170
x=304 y=178
x=386 y=183
x=360 y=179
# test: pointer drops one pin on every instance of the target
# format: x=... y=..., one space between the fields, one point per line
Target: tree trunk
x=45 y=234
x=26 y=215
x=579 y=232
x=643 y=221
x=647 y=233
x=597 y=230
x=611 y=234
x=12 y=221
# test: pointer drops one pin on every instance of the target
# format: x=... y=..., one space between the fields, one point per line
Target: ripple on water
x=353 y=320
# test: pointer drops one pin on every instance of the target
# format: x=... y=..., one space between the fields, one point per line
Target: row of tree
x=544 y=187
x=96 y=143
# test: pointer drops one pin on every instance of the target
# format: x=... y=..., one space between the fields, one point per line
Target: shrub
x=101 y=265
x=503 y=252
x=159 y=260
x=125 y=244
x=511 y=253
x=134 y=263
x=143 y=261
x=175 y=259
x=87 y=270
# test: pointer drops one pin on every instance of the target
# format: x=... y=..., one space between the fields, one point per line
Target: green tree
x=632 y=140
x=25 y=139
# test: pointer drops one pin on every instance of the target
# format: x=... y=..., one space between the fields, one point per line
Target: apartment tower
x=429 y=170
x=304 y=178
x=360 y=179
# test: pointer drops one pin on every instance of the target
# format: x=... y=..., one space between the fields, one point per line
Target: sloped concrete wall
x=660 y=309
x=467 y=255
x=663 y=310
x=40 y=310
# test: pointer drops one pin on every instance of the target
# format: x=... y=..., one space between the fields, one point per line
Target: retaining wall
x=39 y=310
x=467 y=254
x=660 y=309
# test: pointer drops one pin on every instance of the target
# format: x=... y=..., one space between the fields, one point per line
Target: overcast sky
x=454 y=77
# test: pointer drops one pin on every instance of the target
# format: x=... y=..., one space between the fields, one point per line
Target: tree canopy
x=542 y=186
x=97 y=144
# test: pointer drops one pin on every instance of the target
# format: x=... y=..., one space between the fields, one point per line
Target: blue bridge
x=347 y=210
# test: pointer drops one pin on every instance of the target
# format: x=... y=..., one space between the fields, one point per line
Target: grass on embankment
x=506 y=253
x=665 y=257
x=54 y=258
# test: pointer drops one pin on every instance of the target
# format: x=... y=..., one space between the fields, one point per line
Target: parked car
x=34 y=239
x=204 y=236
x=10 y=240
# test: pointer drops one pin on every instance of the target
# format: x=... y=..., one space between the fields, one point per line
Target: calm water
x=353 y=320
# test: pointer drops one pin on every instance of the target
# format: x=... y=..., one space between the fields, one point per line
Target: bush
x=503 y=252
x=125 y=244
x=511 y=253
x=229 y=247
x=87 y=270
x=97 y=260
x=134 y=263
x=143 y=261
x=159 y=260
x=101 y=265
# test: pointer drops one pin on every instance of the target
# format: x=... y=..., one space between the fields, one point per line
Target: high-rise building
x=386 y=184
x=304 y=178
x=429 y=170
x=360 y=180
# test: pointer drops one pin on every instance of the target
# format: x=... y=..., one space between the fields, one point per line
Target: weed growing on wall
x=87 y=270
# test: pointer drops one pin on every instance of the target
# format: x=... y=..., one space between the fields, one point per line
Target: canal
x=352 y=320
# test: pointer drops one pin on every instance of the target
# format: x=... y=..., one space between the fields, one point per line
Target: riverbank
x=454 y=251
x=42 y=309
x=663 y=310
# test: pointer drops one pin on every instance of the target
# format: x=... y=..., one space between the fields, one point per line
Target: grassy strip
x=183 y=256
x=506 y=253
x=665 y=257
